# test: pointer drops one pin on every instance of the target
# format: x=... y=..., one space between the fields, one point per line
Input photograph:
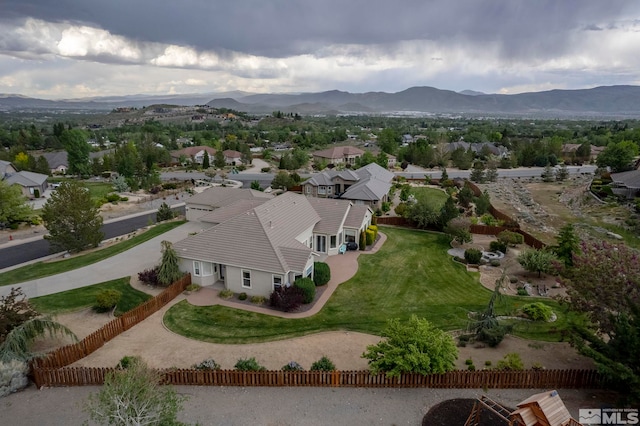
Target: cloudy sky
x=81 y=48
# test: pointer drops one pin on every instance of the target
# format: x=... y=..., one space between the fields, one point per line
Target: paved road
x=38 y=248
x=522 y=172
x=129 y=263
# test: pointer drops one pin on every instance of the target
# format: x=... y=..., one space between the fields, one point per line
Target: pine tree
x=169 y=271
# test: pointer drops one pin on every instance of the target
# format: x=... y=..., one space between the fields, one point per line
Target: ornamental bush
x=498 y=246
x=511 y=362
x=323 y=364
x=363 y=241
x=472 y=256
x=292 y=366
x=207 y=364
x=537 y=311
x=308 y=288
x=321 y=273
x=286 y=299
x=107 y=299
x=249 y=364
x=511 y=238
x=370 y=237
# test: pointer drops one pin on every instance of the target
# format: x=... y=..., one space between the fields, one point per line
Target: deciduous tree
x=78 y=149
x=13 y=205
x=412 y=346
x=539 y=261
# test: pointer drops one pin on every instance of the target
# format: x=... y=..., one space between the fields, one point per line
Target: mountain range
x=604 y=101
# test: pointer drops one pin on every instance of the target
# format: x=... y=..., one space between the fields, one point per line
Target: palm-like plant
x=17 y=344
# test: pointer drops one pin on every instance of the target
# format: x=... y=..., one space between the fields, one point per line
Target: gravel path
x=227 y=406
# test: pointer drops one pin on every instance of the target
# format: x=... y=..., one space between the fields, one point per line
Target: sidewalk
x=343 y=267
x=129 y=263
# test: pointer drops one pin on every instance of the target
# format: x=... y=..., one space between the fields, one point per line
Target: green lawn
x=411 y=274
x=98 y=190
x=42 y=269
x=85 y=297
x=436 y=197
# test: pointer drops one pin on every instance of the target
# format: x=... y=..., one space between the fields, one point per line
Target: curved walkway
x=343 y=267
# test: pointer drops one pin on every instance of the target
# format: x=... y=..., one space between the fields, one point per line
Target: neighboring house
x=33 y=184
x=476 y=148
x=59 y=163
x=391 y=161
x=232 y=157
x=569 y=151
x=626 y=184
x=194 y=154
x=256 y=249
x=368 y=185
x=338 y=155
x=214 y=198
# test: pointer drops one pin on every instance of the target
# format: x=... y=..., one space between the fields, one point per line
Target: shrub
x=249 y=364
x=164 y=213
x=522 y=292
x=107 y=299
x=207 y=364
x=242 y=296
x=472 y=256
x=468 y=361
x=193 y=287
x=169 y=185
x=537 y=366
x=471 y=367
x=511 y=238
x=258 y=300
x=321 y=273
x=487 y=363
x=292 y=366
x=308 y=288
x=370 y=237
x=13 y=376
x=494 y=262
x=323 y=364
x=363 y=241
x=386 y=206
x=286 y=299
x=265 y=169
x=400 y=209
x=126 y=361
x=149 y=276
x=113 y=197
x=511 y=362
x=498 y=246
x=537 y=311
x=494 y=335
x=226 y=294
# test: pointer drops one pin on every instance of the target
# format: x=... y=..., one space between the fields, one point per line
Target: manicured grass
x=98 y=190
x=85 y=297
x=42 y=269
x=436 y=197
x=411 y=274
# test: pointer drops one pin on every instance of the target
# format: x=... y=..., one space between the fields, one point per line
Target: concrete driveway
x=129 y=263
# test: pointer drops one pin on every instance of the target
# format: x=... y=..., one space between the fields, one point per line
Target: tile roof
x=262 y=238
x=193 y=150
x=224 y=213
x=327 y=177
x=356 y=215
x=338 y=152
x=26 y=179
x=368 y=190
x=332 y=214
x=376 y=171
x=219 y=196
x=630 y=179
x=5 y=168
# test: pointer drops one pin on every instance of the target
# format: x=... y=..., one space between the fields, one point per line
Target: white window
x=321 y=190
x=277 y=281
x=333 y=240
x=196 y=268
x=329 y=188
x=246 y=278
x=207 y=270
x=308 y=189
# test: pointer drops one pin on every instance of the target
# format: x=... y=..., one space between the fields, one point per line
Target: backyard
x=411 y=274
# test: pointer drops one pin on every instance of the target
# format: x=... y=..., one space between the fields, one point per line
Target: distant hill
x=610 y=101
x=604 y=101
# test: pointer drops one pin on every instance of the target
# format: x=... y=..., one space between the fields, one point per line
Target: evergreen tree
x=77 y=152
x=562 y=173
x=169 y=270
x=72 y=218
x=218 y=159
x=477 y=174
x=205 y=161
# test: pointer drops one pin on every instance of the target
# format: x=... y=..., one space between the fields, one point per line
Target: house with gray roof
x=256 y=248
x=33 y=184
x=626 y=184
x=202 y=204
x=338 y=155
x=369 y=185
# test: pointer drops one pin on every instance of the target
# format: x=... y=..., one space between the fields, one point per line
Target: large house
x=232 y=157
x=59 y=163
x=214 y=198
x=367 y=185
x=338 y=155
x=255 y=247
x=195 y=154
x=626 y=184
x=33 y=184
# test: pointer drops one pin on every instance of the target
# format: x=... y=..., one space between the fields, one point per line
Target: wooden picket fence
x=69 y=354
x=487 y=379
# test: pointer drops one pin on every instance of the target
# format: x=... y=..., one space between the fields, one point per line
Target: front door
x=222 y=271
x=321 y=243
